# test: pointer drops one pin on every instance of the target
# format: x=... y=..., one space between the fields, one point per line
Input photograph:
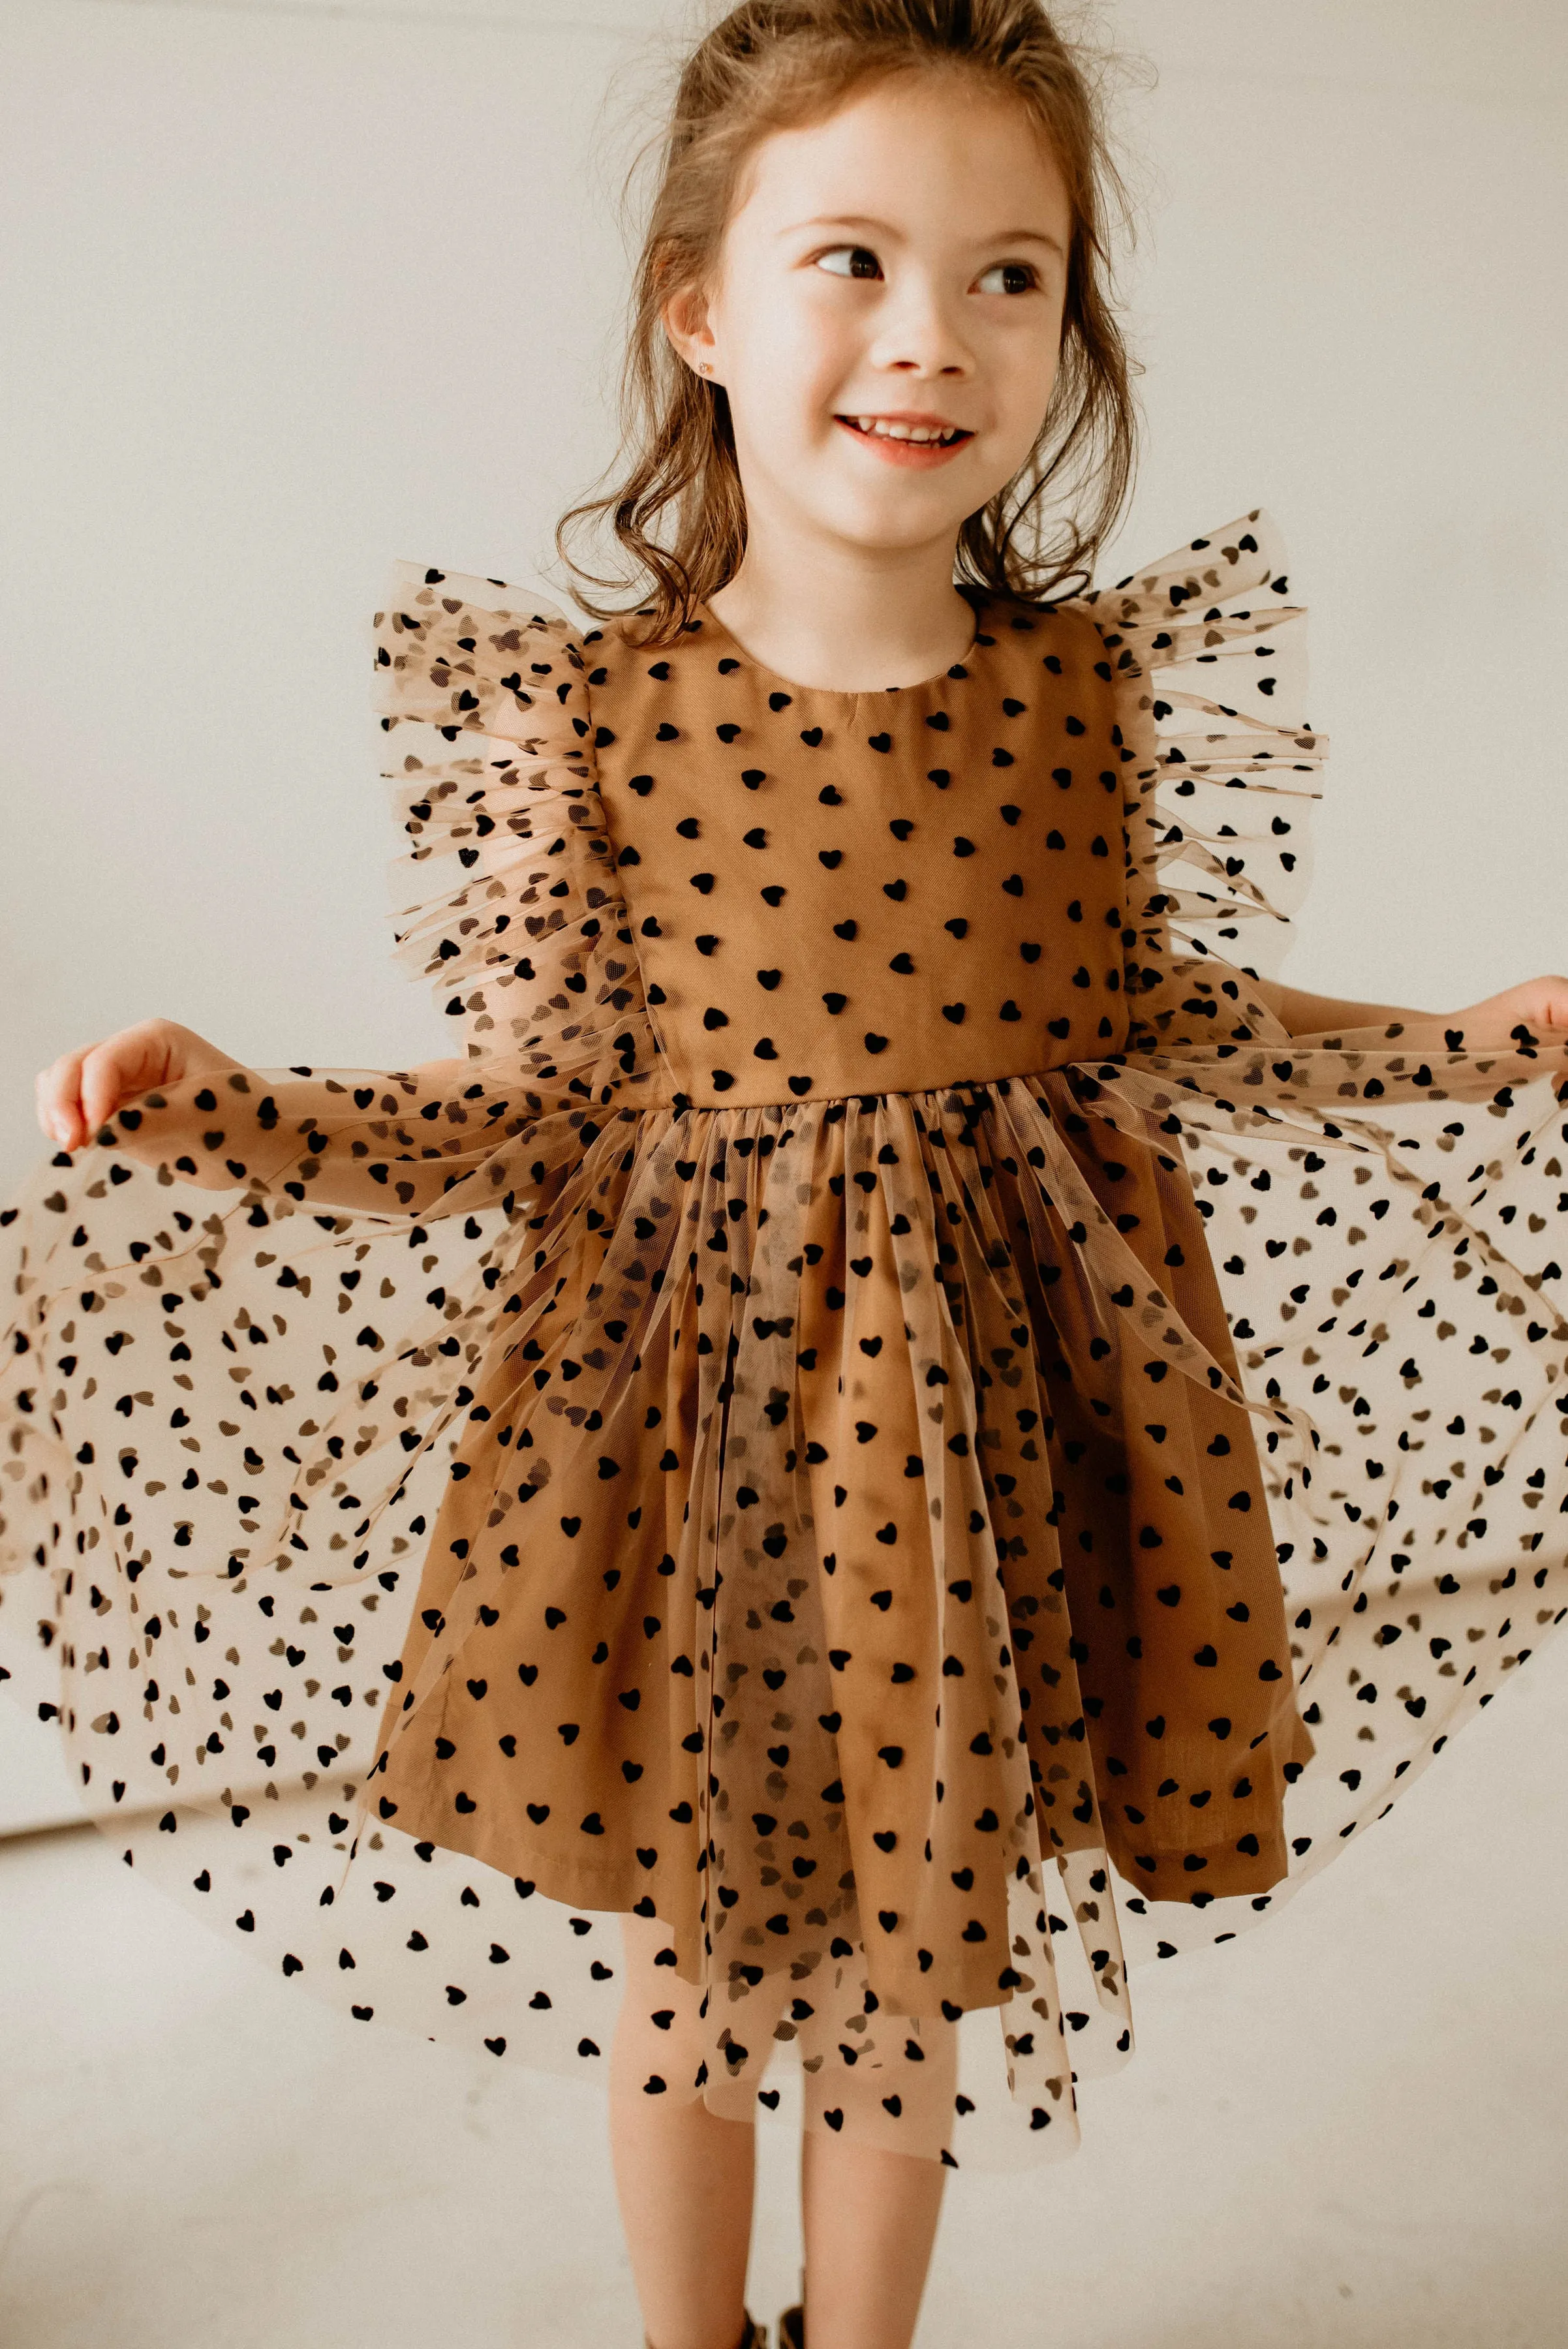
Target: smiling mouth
x=918 y=436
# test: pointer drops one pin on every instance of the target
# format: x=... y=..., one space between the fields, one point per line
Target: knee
x=894 y=2090
x=660 y=2034
x=674 y=2038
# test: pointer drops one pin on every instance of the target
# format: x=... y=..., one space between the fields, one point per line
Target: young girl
x=897 y=1428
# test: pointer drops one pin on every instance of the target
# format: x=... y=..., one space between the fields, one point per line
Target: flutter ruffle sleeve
x=1210 y=659
x=508 y=895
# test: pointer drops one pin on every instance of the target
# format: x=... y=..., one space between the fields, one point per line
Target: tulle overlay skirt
x=442 y=1522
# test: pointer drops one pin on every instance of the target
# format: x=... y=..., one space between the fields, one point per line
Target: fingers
x=1554 y=992
x=103 y=1084
x=81 y=1090
x=58 y=1099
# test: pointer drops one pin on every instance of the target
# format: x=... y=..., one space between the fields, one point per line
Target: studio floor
x=1348 y=2130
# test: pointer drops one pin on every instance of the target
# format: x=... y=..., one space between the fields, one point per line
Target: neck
x=848 y=625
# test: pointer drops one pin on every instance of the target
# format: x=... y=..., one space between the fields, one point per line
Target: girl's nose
x=920 y=332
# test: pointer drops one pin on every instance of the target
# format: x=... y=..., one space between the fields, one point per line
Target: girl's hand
x=1540 y=1004
x=82 y=1090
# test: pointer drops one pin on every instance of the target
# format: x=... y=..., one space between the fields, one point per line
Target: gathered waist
x=944 y=1091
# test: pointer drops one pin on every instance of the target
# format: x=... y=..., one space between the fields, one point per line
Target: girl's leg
x=869 y=2207
x=870 y=2220
x=683 y=2175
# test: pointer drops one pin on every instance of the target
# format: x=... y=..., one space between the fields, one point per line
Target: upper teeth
x=906 y=431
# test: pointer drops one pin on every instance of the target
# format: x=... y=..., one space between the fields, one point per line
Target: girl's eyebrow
x=859 y=220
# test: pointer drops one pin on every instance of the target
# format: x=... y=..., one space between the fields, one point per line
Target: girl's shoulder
x=1037 y=626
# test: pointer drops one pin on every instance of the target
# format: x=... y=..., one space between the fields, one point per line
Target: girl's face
x=903 y=262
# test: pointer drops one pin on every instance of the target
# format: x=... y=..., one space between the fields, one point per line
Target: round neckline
x=976 y=597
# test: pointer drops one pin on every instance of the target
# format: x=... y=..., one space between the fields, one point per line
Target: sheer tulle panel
x=1395 y=1276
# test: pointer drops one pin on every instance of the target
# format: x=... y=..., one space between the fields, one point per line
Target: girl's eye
x=858 y=255
x=859 y=261
x=1015 y=270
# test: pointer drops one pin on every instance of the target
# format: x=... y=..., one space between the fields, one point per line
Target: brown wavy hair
x=772 y=65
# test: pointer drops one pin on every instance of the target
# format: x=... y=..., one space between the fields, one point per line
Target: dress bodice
x=837 y=893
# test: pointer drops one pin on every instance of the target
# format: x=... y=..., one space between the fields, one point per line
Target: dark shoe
x=752 y=2336
x=792 y=2329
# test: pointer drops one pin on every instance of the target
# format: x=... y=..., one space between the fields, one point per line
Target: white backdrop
x=291 y=290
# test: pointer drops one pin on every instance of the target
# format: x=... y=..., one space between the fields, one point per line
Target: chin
x=900 y=517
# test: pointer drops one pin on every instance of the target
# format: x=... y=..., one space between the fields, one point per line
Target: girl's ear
x=687 y=327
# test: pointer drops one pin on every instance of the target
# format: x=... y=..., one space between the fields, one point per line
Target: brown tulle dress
x=886 y=1416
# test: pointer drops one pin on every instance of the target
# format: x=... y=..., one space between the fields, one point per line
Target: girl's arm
x=1312 y=1015
x=1539 y=1004
x=79 y=1093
